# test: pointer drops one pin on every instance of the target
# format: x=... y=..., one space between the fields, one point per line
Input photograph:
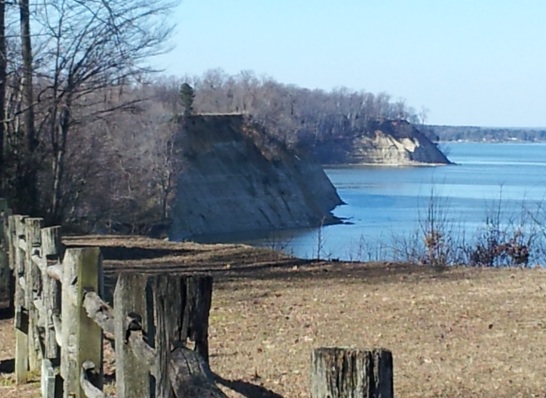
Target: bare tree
x=85 y=48
x=423 y=115
x=28 y=81
x=26 y=180
x=122 y=168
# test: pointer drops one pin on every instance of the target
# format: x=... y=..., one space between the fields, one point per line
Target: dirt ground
x=459 y=332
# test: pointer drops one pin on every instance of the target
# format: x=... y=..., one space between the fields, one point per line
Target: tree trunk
x=28 y=93
x=351 y=373
x=59 y=166
x=28 y=184
x=3 y=76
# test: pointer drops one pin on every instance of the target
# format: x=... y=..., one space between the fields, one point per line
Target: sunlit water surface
x=385 y=205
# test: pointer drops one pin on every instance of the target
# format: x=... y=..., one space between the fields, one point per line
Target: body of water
x=385 y=205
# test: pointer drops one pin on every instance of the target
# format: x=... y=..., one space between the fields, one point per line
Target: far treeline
x=88 y=132
x=484 y=134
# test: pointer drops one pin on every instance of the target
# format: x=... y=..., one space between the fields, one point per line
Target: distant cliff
x=396 y=143
x=392 y=142
x=238 y=179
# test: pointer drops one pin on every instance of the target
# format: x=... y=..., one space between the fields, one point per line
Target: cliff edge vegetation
x=237 y=178
x=336 y=127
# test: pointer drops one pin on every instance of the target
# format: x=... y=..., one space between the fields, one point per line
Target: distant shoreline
x=469 y=141
x=483 y=134
x=394 y=165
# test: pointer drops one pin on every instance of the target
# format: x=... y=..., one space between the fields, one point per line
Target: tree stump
x=191 y=377
x=351 y=373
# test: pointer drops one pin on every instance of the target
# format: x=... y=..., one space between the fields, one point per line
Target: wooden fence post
x=158 y=314
x=172 y=309
x=9 y=251
x=51 y=307
x=167 y=302
x=198 y=298
x=33 y=239
x=81 y=336
x=130 y=312
x=351 y=373
x=51 y=253
x=17 y=233
x=6 y=275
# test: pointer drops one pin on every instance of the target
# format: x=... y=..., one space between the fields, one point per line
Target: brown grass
x=462 y=333
x=458 y=333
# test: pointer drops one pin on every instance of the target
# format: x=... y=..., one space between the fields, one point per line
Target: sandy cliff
x=237 y=179
x=396 y=143
x=391 y=142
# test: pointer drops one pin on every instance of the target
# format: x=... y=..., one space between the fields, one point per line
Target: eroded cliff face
x=392 y=142
x=396 y=143
x=237 y=179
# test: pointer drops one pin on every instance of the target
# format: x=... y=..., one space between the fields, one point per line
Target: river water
x=387 y=205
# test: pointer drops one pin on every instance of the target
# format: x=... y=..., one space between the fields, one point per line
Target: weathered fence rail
x=61 y=321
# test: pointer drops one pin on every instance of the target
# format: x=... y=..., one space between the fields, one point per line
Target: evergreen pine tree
x=187 y=95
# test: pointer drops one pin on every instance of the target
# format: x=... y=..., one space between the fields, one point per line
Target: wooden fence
x=61 y=321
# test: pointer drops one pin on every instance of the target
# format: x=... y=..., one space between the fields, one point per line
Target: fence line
x=61 y=321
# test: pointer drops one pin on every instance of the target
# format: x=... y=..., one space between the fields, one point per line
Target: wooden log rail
x=61 y=321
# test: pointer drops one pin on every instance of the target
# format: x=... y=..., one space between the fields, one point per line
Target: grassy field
x=460 y=332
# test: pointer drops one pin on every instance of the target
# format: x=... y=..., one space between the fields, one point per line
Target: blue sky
x=470 y=62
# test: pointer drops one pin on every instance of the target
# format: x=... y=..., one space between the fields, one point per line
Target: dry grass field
x=459 y=332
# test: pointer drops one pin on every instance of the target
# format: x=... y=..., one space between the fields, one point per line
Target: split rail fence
x=61 y=322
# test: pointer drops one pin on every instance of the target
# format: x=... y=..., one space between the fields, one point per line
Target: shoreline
x=393 y=165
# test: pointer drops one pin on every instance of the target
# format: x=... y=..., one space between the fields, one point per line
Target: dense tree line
x=295 y=114
x=88 y=133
